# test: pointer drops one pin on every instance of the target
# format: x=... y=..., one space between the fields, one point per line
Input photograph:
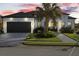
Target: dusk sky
x=6 y=8
x=10 y=8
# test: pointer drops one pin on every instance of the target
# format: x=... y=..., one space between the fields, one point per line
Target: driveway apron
x=11 y=39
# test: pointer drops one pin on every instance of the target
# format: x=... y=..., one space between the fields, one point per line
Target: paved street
x=38 y=51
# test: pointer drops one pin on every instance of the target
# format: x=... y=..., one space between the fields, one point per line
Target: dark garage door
x=18 y=27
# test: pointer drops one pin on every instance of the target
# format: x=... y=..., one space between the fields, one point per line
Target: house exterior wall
x=59 y=24
x=65 y=19
x=61 y=21
x=42 y=23
x=72 y=23
x=1 y=25
x=5 y=20
x=68 y=22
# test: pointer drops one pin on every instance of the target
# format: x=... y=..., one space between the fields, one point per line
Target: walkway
x=65 y=38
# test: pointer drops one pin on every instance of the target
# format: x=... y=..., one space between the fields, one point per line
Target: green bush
x=41 y=35
x=31 y=35
x=66 y=30
x=38 y=30
x=1 y=32
x=52 y=29
x=45 y=35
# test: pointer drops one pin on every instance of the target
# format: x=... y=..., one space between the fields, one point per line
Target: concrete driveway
x=11 y=39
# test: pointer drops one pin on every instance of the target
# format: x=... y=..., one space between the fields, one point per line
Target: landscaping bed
x=72 y=36
x=46 y=39
x=47 y=42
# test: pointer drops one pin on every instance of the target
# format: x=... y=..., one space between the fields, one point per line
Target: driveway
x=11 y=39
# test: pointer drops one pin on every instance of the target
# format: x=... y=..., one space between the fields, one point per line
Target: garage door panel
x=18 y=27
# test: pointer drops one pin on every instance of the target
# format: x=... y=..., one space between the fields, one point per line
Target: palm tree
x=39 y=15
x=54 y=12
x=49 y=10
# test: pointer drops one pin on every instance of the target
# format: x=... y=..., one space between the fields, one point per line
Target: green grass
x=55 y=39
x=73 y=36
x=49 y=43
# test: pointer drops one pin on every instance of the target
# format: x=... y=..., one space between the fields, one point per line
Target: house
x=19 y=23
x=65 y=21
x=26 y=22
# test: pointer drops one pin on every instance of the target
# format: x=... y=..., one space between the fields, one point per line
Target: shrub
x=39 y=33
x=31 y=35
x=66 y=30
x=77 y=31
x=1 y=32
x=38 y=30
x=52 y=29
x=45 y=35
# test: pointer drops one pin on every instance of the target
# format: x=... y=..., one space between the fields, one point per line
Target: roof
x=21 y=15
x=65 y=13
x=24 y=15
x=69 y=17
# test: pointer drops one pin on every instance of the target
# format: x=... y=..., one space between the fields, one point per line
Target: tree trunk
x=39 y=23
x=54 y=24
x=46 y=24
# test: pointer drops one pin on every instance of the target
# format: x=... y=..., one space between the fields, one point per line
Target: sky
x=7 y=8
x=10 y=8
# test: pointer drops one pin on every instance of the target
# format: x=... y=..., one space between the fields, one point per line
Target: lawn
x=54 y=39
x=47 y=42
x=73 y=36
x=51 y=41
